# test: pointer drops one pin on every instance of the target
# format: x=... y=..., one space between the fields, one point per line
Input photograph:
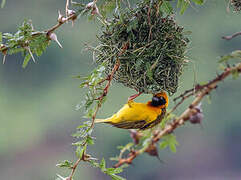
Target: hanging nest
x=236 y=4
x=154 y=58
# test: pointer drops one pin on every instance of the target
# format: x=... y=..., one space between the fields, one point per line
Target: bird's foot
x=131 y=98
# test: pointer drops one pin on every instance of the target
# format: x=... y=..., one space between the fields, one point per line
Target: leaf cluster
x=26 y=40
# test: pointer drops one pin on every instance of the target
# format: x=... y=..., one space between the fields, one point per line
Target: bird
x=140 y=116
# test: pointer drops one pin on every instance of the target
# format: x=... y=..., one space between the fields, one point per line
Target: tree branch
x=232 y=36
x=200 y=91
x=100 y=100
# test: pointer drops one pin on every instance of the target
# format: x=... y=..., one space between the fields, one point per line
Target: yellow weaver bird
x=141 y=116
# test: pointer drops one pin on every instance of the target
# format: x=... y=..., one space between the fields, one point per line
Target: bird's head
x=160 y=100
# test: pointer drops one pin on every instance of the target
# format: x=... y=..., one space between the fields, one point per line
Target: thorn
x=60 y=17
x=161 y=161
x=53 y=37
x=30 y=52
x=90 y=5
x=70 y=12
x=4 y=58
x=60 y=177
x=95 y=9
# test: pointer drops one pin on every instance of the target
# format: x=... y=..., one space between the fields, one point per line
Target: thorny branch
x=232 y=36
x=200 y=91
x=70 y=16
x=109 y=78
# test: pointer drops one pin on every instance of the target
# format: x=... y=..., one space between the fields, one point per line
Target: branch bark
x=200 y=91
x=232 y=36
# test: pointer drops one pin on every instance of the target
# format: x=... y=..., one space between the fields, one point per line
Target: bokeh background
x=37 y=104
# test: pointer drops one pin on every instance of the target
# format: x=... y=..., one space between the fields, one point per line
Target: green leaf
x=26 y=60
x=65 y=164
x=187 y=33
x=235 y=74
x=102 y=165
x=169 y=141
x=94 y=163
x=89 y=140
x=184 y=7
x=209 y=99
x=1 y=37
x=166 y=7
x=80 y=151
x=234 y=55
x=173 y=148
x=116 y=177
x=166 y=119
x=179 y=3
x=163 y=145
x=199 y=2
x=79 y=143
x=3 y=3
x=114 y=158
x=114 y=170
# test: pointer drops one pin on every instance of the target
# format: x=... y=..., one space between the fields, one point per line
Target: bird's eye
x=155 y=101
x=162 y=100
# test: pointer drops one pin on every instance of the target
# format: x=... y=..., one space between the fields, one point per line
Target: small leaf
x=60 y=177
x=102 y=165
x=179 y=3
x=26 y=60
x=173 y=148
x=65 y=164
x=235 y=74
x=1 y=37
x=199 y=2
x=209 y=99
x=114 y=158
x=116 y=177
x=184 y=7
x=187 y=33
x=114 y=170
x=80 y=151
x=89 y=140
x=166 y=7
x=163 y=145
x=3 y=3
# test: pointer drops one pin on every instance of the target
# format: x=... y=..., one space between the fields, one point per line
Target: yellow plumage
x=139 y=115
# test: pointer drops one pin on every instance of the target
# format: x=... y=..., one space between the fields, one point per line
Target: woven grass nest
x=236 y=5
x=154 y=59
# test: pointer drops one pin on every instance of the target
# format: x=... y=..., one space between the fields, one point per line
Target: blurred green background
x=37 y=104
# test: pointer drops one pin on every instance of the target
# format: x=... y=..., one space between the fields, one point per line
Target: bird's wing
x=156 y=121
x=141 y=124
x=130 y=124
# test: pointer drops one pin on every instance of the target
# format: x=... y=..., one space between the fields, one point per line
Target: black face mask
x=158 y=101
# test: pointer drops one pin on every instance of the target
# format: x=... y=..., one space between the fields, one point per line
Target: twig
x=201 y=92
x=60 y=22
x=66 y=8
x=232 y=36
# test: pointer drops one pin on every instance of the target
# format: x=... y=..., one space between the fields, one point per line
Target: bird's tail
x=102 y=121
